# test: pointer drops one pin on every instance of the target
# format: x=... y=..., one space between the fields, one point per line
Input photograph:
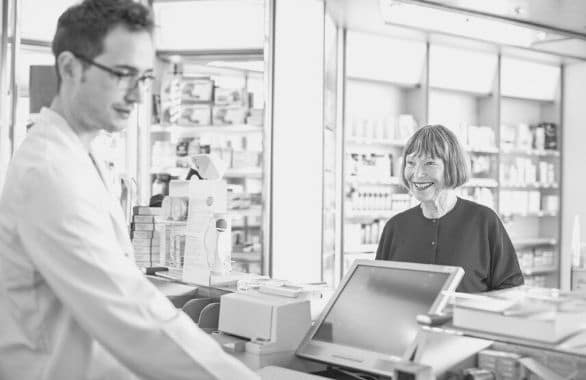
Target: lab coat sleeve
x=67 y=230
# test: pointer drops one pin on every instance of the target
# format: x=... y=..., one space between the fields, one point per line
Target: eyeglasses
x=126 y=80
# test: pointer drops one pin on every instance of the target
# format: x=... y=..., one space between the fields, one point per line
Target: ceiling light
x=456 y=23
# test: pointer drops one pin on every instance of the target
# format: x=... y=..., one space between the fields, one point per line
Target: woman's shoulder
x=471 y=208
x=405 y=215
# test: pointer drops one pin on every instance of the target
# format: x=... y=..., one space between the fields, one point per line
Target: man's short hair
x=437 y=141
x=81 y=29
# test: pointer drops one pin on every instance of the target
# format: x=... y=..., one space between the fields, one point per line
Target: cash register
x=369 y=323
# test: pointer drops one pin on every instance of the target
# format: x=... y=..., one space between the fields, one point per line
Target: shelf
x=539 y=270
x=479 y=150
x=530 y=152
x=230 y=173
x=373 y=142
x=199 y=129
x=255 y=172
x=527 y=242
x=375 y=181
x=481 y=182
x=370 y=216
x=539 y=214
x=534 y=186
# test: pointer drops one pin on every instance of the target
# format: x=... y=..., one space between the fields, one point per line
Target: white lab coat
x=73 y=305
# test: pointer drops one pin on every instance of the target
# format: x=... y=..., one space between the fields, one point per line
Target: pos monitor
x=370 y=324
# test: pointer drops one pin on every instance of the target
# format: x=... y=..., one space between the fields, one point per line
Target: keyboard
x=281 y=373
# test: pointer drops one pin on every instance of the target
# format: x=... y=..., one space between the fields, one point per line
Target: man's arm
x=70 y=238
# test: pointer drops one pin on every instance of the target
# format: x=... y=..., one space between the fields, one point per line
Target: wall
x=297 y=140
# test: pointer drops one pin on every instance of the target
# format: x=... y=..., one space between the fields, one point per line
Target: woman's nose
x=418 y=171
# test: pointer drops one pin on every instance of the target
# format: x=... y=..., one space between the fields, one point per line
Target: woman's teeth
x=423 y=186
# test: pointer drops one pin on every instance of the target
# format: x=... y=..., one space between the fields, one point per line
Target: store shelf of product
x=369 y=216
x=530 y=152
x=254 y=172
x=363 y=248
x=374 y=181
x=530 y=242
x=366 y=149
x=187 y=130
x=539 y=270
x=355 y=141
x=529 y=186
x=482 y=150
x=481 y=182
x=539 y=214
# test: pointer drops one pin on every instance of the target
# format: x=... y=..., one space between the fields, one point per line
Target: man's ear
x=69 y=67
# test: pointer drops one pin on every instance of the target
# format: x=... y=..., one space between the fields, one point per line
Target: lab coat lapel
x=80 y=156
x=115 y=209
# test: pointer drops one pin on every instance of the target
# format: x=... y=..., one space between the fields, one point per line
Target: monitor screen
x=373 y=312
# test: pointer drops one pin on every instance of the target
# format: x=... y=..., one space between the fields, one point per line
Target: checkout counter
x=276 y=335
x=386 y=320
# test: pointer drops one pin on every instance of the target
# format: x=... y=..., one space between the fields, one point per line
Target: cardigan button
x=433 y=243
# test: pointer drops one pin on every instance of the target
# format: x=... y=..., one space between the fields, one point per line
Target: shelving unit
x=530 y=170
x=217 y=110
x=385 y=97
x=475 y=90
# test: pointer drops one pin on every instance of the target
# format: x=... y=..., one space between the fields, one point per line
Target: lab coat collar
x=54 y=119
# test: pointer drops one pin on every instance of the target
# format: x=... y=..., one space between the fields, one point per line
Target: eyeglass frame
x=145 y=79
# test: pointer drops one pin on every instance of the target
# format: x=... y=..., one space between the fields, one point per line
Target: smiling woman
x=444 y=229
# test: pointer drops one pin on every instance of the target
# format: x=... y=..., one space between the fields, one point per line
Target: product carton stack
x=145 y=235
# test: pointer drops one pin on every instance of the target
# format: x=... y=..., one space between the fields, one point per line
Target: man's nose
x=135 y=94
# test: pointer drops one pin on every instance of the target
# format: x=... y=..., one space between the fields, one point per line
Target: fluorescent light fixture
x=456 y=23
x=370 y=56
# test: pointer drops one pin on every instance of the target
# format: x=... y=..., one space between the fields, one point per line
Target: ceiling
x=564 y=20
x=564 y=16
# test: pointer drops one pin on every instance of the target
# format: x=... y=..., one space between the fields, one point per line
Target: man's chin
x=117 y=127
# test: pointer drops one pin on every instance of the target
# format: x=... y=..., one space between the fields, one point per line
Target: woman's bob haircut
x=437 y=141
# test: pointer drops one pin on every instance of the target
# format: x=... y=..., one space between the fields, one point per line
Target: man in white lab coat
x=73 y=304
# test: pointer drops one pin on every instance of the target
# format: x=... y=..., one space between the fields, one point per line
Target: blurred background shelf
x=375 y=181
x=196 y=130
x=528 y=242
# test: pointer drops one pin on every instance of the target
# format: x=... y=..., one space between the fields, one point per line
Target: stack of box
x=145 y=235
